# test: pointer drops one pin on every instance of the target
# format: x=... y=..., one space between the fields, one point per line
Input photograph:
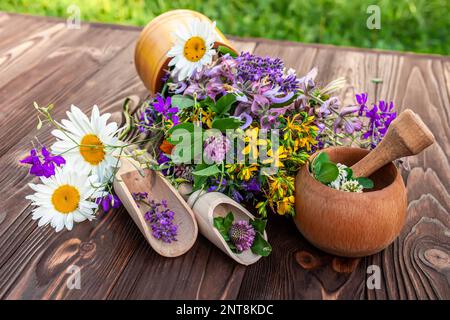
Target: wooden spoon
x=130 y=180
x=407 y=135
x=209 y=205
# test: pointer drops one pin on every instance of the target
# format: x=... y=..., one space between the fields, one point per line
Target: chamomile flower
x=64 y=198
x=193 y=48
x=88 y=145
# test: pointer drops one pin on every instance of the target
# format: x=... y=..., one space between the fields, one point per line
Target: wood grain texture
x=45 y=62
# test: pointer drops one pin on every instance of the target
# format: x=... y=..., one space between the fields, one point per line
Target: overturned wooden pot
x=360 y=224
x=157 y=39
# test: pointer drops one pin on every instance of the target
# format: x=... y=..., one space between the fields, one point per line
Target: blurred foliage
x=406 y=25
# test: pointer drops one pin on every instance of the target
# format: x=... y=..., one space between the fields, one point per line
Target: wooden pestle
x=407 y=135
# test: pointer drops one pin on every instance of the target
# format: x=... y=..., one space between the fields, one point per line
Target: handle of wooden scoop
x=407 y=135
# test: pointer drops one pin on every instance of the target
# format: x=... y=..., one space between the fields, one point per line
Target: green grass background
x=406 y=25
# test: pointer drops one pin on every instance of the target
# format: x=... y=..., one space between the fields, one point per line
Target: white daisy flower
x=63 y=198
x=87 y=145
x=193 y=48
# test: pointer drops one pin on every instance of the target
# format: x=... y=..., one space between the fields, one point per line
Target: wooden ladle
x=129 y=180
x=407 y=136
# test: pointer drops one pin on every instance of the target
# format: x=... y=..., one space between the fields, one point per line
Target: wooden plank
x=96 y=66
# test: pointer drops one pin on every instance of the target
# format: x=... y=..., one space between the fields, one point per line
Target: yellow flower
x=277 y=156
x=207 y=117
x=245 y=173
x=305 y=142
x=251 y=137
x=286 y=205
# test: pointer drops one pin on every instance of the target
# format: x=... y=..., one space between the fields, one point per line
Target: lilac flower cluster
x=44 y=167
x=242 y=234
x=110 y=201
x=253 y=68
x=161 y=221
x=216 y=148
x=258 y=83
x=160 y=217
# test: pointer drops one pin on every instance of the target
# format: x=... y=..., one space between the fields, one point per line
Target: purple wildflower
x=216 y=186
x=362 y=100
x=242 y=234
x=139 y=196
x=380 y=117
x=252 y=185
x=216 y=148
x=110 y=201
x=44 y=167
x=161 y=221
x=248 y=120
x=164 y=107
x=236 y=196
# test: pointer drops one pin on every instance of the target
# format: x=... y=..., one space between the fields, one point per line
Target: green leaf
x=226 y=123
x=208 y=171
x=223 y=105
x=349 y=173
x=259 y=225
x=328 y=172
x=189 y=126
x=228 y=221
x=223 y=225
x=199 y=181
x=261 y=246
x=224 y=50
x=318 y=160
x=365 y=182
x=219 y=225
x=181 y=101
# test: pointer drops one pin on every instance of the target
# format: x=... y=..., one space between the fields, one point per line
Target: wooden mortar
x=360 y=224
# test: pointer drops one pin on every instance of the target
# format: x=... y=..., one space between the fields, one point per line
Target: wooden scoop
x=129 y=180
x=407 y=135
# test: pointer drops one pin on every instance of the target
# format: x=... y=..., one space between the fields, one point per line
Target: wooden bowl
x=350 y=224
x=156 y=40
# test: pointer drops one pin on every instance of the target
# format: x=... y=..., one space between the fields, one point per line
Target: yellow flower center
x=65 y=199
x=92 y=149
x=194 y=49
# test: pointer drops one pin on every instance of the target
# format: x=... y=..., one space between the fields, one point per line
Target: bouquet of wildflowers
x=243 y=124
x=238 y=124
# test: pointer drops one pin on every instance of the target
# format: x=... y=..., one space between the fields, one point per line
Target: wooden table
x=42 y=60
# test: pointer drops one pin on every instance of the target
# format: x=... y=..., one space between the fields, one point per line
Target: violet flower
x=252 y=185
x=46 y=167
x=248 y=120
x=110 y=201
x=161 y=220
x=236 y=196
x=216 y=186
x=362 y=100
x=380 y=117
x=165 y=108
x=242 y=235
